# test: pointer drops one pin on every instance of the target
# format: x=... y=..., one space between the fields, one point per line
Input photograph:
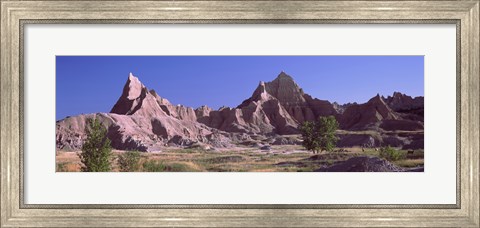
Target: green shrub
x=129 y=161
x=391 y=154
x=96 y=151
x=319 y=135
x=153 y=166
x=61 y=167
x=159 y=166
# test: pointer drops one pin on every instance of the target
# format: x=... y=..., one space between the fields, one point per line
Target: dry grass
x=409 y=163
x=288 y=158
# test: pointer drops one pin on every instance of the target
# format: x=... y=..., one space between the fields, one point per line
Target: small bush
x=96 y=151
x=129 y=161
x=153 y=166
x=159 y=166
x=61 y=167
x=391 y=154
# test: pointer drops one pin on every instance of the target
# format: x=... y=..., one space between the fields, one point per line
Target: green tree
x=309 y=136
x=129 y=161
x=319 y=135
x=96 y=151
x=325 y=128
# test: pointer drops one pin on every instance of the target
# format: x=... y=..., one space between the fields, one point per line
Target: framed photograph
x=240 y=113
x=279 y=128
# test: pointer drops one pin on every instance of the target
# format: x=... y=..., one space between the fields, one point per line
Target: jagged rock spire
x=130 y=100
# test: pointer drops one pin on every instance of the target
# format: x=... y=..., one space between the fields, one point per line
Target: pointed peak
x=284 y=75
x=399 y=95
x=131 y=77
x=132 y=90
x=375 y=98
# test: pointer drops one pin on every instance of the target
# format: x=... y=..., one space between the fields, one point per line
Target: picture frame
x=15 y=14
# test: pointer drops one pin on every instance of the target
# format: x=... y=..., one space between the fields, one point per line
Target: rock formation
x=374 y=114
x=361 y=116
x=142 y=120
x=401 y=102
x=274 y=107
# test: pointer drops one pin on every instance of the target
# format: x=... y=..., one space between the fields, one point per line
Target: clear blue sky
x=89 y=84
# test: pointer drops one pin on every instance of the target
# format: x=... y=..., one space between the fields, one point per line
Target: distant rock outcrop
x=401 y=102
x=407 y=107
x=142 y=120
x=361 y=116
x=375 y=114
x=274 y=107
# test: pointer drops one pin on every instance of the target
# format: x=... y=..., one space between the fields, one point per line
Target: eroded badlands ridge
x=142 y=120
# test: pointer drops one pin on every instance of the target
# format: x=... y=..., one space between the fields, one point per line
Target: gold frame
x=14 y=14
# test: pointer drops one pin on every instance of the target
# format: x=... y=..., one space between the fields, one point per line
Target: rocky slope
x=274 y=107
x=376 y=113
x=143 y=120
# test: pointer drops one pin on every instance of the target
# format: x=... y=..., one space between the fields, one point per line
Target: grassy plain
x=284 y=158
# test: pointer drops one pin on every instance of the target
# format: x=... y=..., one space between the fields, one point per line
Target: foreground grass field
x=287 y=158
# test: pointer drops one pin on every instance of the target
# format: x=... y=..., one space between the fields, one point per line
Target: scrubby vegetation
x=129 y=161
x=153 y=166
x=281 y=158
x=391 y=154
x=96 y=151
x=61 y=167
x=160 y=166
x=319 y=136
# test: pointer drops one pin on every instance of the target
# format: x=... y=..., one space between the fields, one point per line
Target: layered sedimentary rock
x=274 y=107
x=376 y=113
x=361 y=116
x=340 y=108
x=401 y=102
x=143 y=120
x=409 y=108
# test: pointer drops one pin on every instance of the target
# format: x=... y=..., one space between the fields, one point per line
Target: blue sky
x=89 y=84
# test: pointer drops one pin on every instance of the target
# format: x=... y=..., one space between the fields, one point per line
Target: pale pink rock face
x=143 y=120
x=134 y=87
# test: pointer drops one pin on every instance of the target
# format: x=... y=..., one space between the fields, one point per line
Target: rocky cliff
x=143 y=120
x=274 y=107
